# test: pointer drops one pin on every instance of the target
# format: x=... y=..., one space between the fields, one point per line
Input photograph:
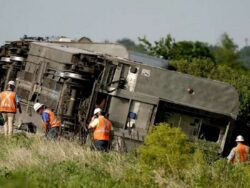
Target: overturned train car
x=72 y=80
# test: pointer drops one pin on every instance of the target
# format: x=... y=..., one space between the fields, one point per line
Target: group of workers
x=101 y=126
x=9 y=102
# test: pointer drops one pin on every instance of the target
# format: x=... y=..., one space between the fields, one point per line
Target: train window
x=209 y=133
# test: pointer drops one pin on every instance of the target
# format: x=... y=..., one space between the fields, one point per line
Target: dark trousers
x=53 y=133
x=101 y=145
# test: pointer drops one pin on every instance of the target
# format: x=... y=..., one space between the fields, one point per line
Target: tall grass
x=36 y=162
x=160 y=162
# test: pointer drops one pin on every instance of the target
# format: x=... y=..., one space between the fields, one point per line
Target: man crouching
x=51 y=124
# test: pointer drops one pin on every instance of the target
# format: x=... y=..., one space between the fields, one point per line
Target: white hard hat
x=11 y=82
x=97 y=110
x=239 y=138
x=37 y=106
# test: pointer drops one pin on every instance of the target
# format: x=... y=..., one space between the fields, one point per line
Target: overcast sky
x=203 y=20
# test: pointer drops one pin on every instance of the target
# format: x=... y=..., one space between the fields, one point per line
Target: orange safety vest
x=53 y=121
x=8 y=101
x=102 y=131
x=241 y=152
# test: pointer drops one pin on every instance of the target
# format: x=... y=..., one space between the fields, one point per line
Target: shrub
x=165 y=148
x=210 y=150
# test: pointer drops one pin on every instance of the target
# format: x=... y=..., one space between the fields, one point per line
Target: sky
x=203 y=20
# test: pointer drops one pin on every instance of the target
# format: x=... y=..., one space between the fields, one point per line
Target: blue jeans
x=101 y=145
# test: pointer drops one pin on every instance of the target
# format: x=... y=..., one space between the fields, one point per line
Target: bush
x=165 y=148
x=210 y=150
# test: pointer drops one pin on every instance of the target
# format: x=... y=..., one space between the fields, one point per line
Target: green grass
x=165 y=160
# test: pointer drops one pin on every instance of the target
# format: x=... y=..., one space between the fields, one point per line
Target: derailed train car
x=73 y=78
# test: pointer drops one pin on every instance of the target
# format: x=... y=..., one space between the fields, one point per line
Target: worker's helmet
x=37 y=106
x=97 y=110
x=239 y=138
x=11 y=82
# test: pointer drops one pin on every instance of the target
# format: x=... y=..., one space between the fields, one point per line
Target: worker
x=102 y=128
x=240 y=153
x=9 y=102
x=51 y=124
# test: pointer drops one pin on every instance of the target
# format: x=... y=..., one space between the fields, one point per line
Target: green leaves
x=165 y=148
x=226 y=53
x=171 y=50
x=198 y=67
x=162 y=47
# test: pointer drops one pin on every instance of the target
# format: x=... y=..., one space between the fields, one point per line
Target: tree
x=161 y=48
x=245 y=56
x=198 y=67
x=227 y=52
x=171 y=50
x=189 y=50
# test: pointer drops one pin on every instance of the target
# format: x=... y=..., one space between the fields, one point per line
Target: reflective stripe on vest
x=241 y=153
x=102 y=130
x=8 y=101
x=53 y=121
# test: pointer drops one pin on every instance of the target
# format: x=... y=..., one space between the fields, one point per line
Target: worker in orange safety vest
x=9 y=102
x=50 y=123
x=240 y=153
x=102 y=128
